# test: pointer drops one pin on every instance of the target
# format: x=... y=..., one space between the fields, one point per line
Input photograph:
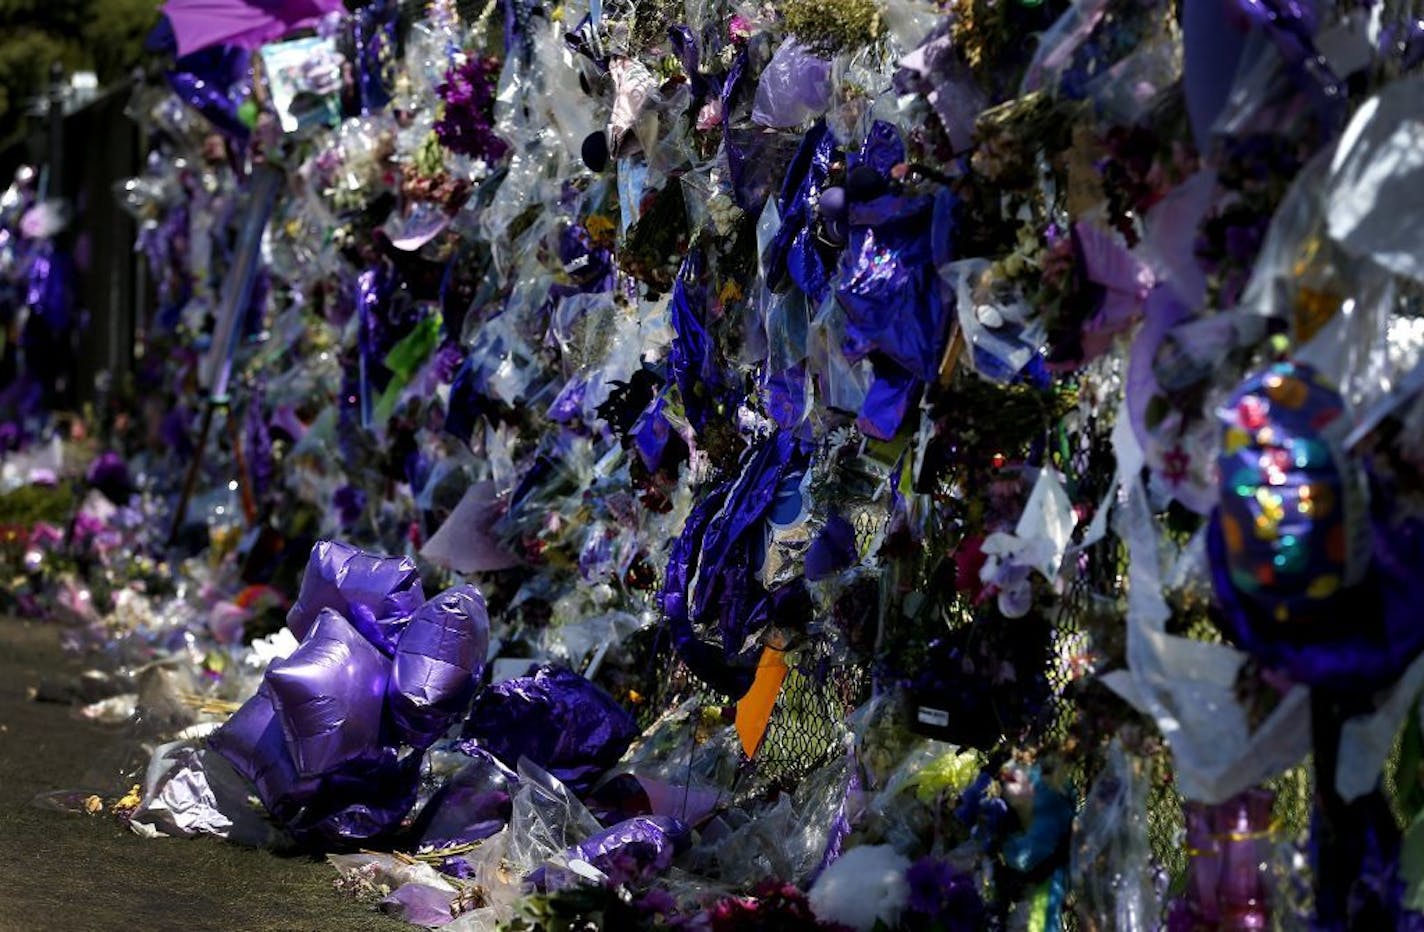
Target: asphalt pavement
x=88 y=873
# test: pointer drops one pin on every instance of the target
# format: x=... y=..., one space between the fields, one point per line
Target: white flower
x=276 y=646
x=866 y=885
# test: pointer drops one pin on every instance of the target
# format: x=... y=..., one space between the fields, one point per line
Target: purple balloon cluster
x=332 y=740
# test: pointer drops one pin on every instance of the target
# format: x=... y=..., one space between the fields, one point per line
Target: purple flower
x=944 y=895
x=349 y=502
x=110 y=474
x=467 y=125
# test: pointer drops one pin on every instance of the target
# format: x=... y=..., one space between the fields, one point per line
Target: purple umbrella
x=198 y=24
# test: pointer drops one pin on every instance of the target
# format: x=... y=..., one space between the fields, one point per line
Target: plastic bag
x=546 y=818
x=1112 y=858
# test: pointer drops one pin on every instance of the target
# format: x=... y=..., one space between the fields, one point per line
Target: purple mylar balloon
x=474 y=804
x=252 y=741
x=367 y=798
x=439 y=659
x=376 y=593
x=632 y=850
x=557 y=719
x=328 y=696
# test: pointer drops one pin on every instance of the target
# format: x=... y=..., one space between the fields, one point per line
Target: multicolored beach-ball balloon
x=1291 y=534
x=1291 y=507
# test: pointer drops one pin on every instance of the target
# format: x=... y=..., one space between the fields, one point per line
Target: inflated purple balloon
x=365 y=799
x=557 y=719
x=636 y=849
x=439 y=659
x=253 y=742
x=328 y=696
x=473 y=805
x=378 y=594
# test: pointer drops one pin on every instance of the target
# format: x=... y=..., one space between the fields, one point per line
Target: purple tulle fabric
x=377 y=594
x=636 y=849
x=438 y=662
x=557 y=719
x=328 y=696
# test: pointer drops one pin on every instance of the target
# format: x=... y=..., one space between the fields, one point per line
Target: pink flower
x=740 y=29
x=710 y=116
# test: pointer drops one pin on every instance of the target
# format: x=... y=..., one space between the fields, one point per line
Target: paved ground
x=87 y=873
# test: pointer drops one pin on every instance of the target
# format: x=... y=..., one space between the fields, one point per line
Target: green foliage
x=115 y=38
x=31 y=504
x=104 y=36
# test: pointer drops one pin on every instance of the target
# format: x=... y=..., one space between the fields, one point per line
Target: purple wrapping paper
x=211 y=81
x=889 y=288
x=375 y=593
x=328 y=696
x=557 y=719
x=438 y=662
x=419 y=904
x=636 y=849
x=794 y=252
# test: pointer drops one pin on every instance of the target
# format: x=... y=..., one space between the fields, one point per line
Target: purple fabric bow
x=377 y=594
x=439 y=659
x=557 y=719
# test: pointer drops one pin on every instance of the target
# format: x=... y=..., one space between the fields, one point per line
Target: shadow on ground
x=81 y=873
